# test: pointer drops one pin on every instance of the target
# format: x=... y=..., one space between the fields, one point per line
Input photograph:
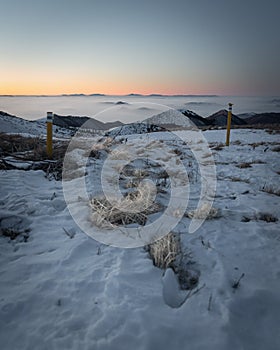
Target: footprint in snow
x=173 y=296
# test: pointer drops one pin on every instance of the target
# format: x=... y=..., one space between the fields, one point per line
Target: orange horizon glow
x=107 y=91
x=27 y=83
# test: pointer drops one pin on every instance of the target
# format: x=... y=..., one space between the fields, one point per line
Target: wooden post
x=49 y=134
x=228 y=123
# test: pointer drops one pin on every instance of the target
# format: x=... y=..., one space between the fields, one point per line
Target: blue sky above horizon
x=122 y=47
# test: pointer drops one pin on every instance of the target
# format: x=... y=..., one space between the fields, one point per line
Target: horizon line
x=131 y=95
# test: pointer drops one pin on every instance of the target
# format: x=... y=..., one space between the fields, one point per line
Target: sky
x=150 y=46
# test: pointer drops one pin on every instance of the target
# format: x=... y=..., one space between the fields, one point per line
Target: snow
x=173 y=296
x=61 y=289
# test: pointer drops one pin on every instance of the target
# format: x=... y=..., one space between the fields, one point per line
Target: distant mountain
x=135 y=95
x=77 y=122
x=264 y=118
x=220 y=119
x=121 y=103
x=73 y=95
x=69 y=121
x=155 y=95
x=246 y=115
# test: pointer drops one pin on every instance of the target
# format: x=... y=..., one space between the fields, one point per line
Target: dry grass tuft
x=177 y=151
x=206 y=211
x=237 y=142
x=271 y=190
x=119 y=155
x=13 y=233
x=238 y=179
x=267 y=217
x=256 y=144
x=276 y=149
x=167 y=253
x=218 y=147
x=243 y=165
x=133 y=208
x=258 y=161
x=32 y=150
x=164 y=251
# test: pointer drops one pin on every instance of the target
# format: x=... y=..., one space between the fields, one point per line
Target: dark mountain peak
x=121 y=103
x=220 y=119
x=264 y=118
x=195 y=118
x=221 y=112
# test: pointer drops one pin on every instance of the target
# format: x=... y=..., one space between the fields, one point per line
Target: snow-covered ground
x=60 y=289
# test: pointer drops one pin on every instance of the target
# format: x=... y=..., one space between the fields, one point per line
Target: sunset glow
x=67 y=47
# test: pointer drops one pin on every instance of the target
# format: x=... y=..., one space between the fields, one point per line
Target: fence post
x=228 y=123
x=49 y=134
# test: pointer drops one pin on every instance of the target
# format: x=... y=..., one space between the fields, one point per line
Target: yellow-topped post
x=228 y=123
x=49 y=134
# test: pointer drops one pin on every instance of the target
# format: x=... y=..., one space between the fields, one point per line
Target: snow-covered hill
x=171 y=117
x=62 y=125
x=12 y=124
x=60 y=289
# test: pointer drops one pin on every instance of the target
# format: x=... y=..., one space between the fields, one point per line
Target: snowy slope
x=13 y=124
x=59 y=292
x=170 y=117
x=62 y=125
x=161 y=121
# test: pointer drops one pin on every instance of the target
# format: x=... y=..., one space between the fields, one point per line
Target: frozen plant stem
x=237 y=283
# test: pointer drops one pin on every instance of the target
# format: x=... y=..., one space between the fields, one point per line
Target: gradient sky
x=149 y=46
